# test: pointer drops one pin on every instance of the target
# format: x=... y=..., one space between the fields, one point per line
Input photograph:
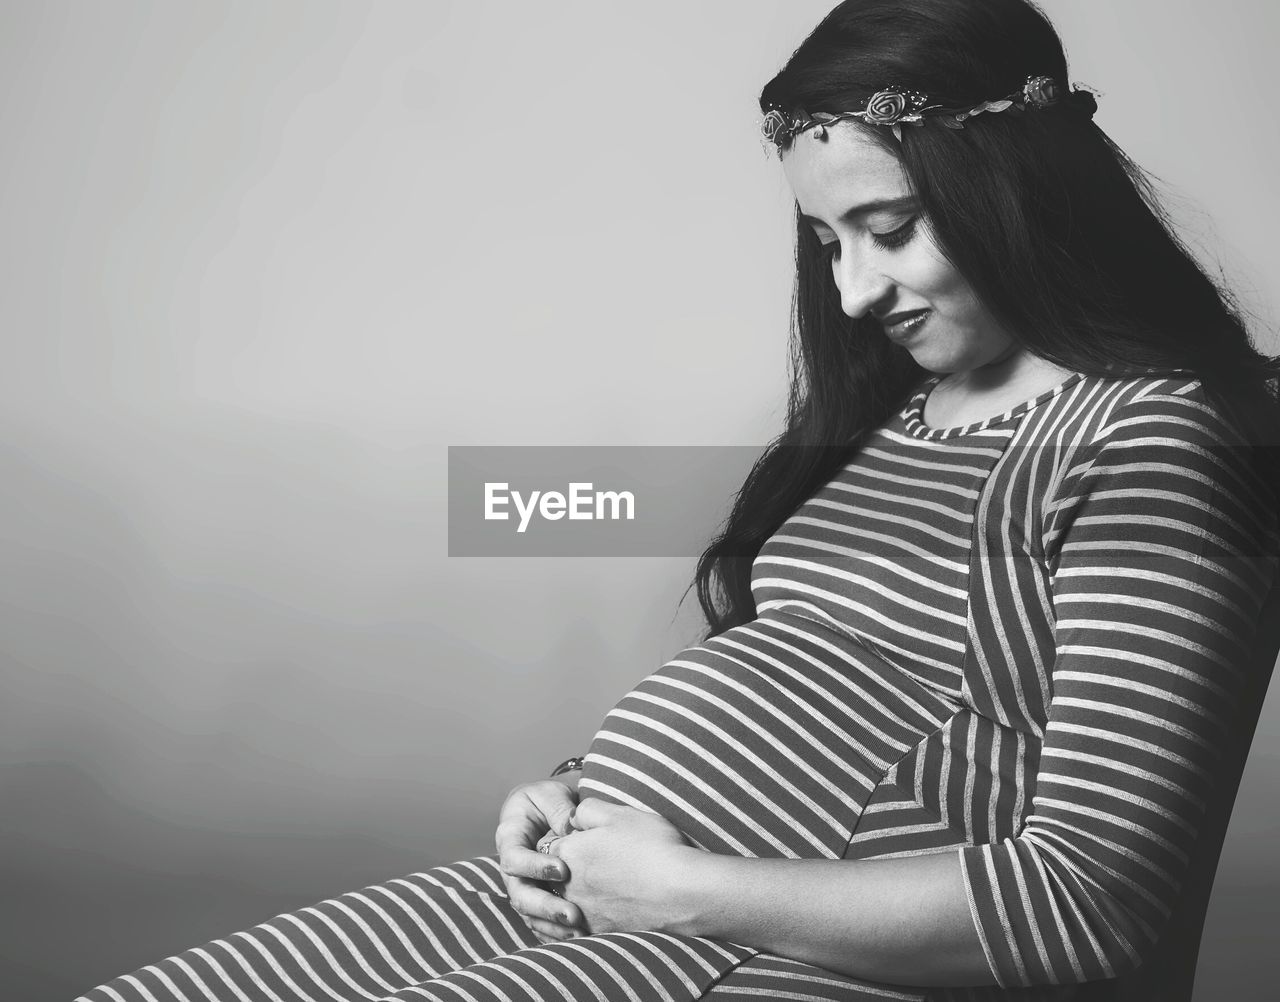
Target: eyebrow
x=878 y=204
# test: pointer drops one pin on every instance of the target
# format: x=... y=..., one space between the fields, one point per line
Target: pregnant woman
x=978 y=622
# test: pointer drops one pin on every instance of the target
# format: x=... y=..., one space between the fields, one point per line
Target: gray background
x=263 y=263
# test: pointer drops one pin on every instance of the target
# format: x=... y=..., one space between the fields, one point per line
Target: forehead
x=848 y=168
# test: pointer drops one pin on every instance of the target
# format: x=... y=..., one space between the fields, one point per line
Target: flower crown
x=895 y=105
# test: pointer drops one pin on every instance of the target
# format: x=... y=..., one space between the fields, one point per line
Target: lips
x=896 y=318
x=898 y=325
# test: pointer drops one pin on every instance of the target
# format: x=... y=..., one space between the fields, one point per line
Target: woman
x=976 y=621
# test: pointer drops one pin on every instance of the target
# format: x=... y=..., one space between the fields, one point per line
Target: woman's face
x=858 y=200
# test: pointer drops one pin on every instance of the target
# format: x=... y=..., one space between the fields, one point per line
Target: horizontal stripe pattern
x=882 y=552
x=766 y=741
x=1018 y=641
x=449 y=934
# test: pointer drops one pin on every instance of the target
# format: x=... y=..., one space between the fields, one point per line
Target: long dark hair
x=1060 y=235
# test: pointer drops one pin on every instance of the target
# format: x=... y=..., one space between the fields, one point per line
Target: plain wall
x=263 y=263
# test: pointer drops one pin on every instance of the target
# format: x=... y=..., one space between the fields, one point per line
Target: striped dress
x=1019 y=640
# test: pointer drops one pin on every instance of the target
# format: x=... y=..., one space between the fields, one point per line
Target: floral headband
x=898 y=104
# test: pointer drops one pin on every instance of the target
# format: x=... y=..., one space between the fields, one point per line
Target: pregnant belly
x=766 y=741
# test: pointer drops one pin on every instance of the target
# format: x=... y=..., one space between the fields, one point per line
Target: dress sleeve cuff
x=990 y=919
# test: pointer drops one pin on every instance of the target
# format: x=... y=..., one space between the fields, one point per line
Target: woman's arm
x=901 y=921
x=904 y=921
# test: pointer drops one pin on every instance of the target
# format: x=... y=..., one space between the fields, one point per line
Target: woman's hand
x=621 y=863
x=529 y=812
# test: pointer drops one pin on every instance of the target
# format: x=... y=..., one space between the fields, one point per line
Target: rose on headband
x=775 y=126
x=1040 y=92
x=886 y=107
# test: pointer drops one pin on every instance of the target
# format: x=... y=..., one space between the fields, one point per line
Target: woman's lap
x=449 y=934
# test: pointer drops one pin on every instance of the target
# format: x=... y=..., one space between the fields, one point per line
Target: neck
x=1006 y=367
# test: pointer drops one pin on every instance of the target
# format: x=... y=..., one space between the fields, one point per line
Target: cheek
x=935 y=277
x=935 y=281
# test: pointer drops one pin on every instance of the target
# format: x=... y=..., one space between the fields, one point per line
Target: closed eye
x=895 y=238
x=886 y=241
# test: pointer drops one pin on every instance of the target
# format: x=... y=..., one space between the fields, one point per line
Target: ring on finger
x=547 y=841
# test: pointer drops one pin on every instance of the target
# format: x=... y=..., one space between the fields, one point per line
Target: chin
x=934 y=356
x=935 y=362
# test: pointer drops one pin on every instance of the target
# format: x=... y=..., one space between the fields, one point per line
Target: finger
x=544 y=804
x=592 y=812
x=516 y=831
x=549 y=844
x=532 y=865
x=553 y=930
x=532 y=902
x=560 y=819
x=557 y=810
x=568 y=914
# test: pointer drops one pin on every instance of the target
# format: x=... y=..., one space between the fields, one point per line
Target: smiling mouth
x=910 y=323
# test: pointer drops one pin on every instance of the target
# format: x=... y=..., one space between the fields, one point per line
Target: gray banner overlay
x=608 y=501
x=591 y=501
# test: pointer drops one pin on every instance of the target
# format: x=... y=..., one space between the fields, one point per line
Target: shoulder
x=1153 y=453
x=1173 y=406
x=1098 y=411
x=1157 y=431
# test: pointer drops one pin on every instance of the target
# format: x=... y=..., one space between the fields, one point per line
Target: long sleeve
x=1159 y=541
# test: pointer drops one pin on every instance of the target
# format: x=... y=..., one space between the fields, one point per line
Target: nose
x=860 y=282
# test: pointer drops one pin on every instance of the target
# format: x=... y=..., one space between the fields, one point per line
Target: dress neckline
x=913 y=414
